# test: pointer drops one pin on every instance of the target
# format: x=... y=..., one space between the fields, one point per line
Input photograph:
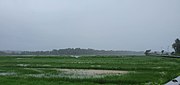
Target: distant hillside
x=72 y=51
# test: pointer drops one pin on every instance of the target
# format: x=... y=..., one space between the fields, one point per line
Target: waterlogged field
x=108 y=70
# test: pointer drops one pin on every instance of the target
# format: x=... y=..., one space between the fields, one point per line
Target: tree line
x=75 y=51
x=175 y=46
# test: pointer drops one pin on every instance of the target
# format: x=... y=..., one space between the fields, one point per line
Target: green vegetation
x=176 y=46
x=42 y=70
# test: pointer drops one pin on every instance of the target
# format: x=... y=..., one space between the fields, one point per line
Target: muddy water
x=92 y=72
x=79 y=73
x=88 y=73
x=69 y=73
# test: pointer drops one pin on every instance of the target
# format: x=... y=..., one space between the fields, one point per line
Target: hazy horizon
x=134 y=25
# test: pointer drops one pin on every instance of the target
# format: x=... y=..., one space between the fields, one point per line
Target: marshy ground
x=110 y=70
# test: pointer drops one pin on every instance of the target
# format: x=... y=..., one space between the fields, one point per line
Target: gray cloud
x=100 y=24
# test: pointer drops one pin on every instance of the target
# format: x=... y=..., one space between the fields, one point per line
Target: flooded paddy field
x=106 y=70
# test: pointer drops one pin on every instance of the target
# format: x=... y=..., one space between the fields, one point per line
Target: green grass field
x=43 y=70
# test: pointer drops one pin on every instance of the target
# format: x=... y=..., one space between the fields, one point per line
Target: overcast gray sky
x=99 y=24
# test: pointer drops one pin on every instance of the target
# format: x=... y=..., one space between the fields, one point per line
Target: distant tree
x=2 y=53
x=147 y=52
x=172 y=53
x=155 y=53
x=55 y=52
x=176 y=46
x=166 y=53
x=162 y=52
